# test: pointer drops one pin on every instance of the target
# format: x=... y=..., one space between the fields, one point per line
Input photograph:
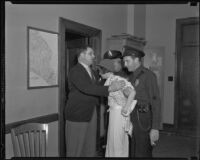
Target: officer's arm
x=155 y=101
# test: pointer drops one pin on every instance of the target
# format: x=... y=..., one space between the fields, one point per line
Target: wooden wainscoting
x=41 y=119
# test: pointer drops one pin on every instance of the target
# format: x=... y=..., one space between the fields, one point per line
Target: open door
x=72 y=34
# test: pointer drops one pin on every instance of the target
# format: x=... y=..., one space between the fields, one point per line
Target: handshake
x=116 y=85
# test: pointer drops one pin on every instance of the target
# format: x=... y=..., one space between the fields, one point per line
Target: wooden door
x=187 y=76
x=86 y=32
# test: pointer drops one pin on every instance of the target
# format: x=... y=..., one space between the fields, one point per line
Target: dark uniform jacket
x=83 y=95
x=147 y=92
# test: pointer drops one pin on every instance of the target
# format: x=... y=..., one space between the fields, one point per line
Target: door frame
x=65 y=24
x=179 y=23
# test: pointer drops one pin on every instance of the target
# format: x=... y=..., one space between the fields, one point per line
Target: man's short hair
x=82 y=49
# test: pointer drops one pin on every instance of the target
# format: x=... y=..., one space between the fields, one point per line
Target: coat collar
x=92 y=77
x=136 y=74
x=138 y=70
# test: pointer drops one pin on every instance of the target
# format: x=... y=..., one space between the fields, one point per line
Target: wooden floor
x=173 y=146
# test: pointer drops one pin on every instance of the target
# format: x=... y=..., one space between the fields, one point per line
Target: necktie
x=92 y=75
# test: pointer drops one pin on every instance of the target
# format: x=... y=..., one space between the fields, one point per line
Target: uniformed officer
x=146 y=116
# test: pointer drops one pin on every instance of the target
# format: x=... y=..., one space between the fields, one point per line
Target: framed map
x=42 y=58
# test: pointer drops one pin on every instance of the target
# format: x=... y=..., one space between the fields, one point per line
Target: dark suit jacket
x=83 y=95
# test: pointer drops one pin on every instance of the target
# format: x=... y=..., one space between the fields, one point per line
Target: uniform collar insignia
x=110 y=53
x=139 y=71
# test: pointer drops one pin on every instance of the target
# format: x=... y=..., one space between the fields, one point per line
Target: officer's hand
x=116 y=85
x=154 y=136
x=127 y=91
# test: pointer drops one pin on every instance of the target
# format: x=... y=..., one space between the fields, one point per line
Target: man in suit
x=80 y=112
x=146 y=116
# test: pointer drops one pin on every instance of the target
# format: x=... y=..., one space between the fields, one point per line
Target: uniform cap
x=130 y=51
x=112 y=54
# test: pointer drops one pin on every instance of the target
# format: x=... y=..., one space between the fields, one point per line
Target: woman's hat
x=129 y=51
x=107 y=64
x=112 y=54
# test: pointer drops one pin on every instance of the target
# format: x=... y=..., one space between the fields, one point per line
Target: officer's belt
x=143 y=108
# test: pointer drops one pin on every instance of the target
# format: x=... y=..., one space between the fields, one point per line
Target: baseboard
x=168 y=127
x=171 y=129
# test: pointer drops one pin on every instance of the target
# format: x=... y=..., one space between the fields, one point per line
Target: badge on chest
x=136 y=82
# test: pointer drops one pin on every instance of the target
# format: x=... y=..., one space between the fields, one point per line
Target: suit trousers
x=140 y=145
x=81 y=138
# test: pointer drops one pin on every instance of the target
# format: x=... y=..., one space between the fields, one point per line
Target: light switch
x=170 y=78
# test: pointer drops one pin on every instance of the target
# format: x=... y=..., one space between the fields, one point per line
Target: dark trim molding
x=42 y=119
x=171 y=129
x=63 y=58
x=168 y=127
x=177 y=94
x=2 y=77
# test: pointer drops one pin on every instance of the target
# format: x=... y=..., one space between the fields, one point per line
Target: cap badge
x=110 y=53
